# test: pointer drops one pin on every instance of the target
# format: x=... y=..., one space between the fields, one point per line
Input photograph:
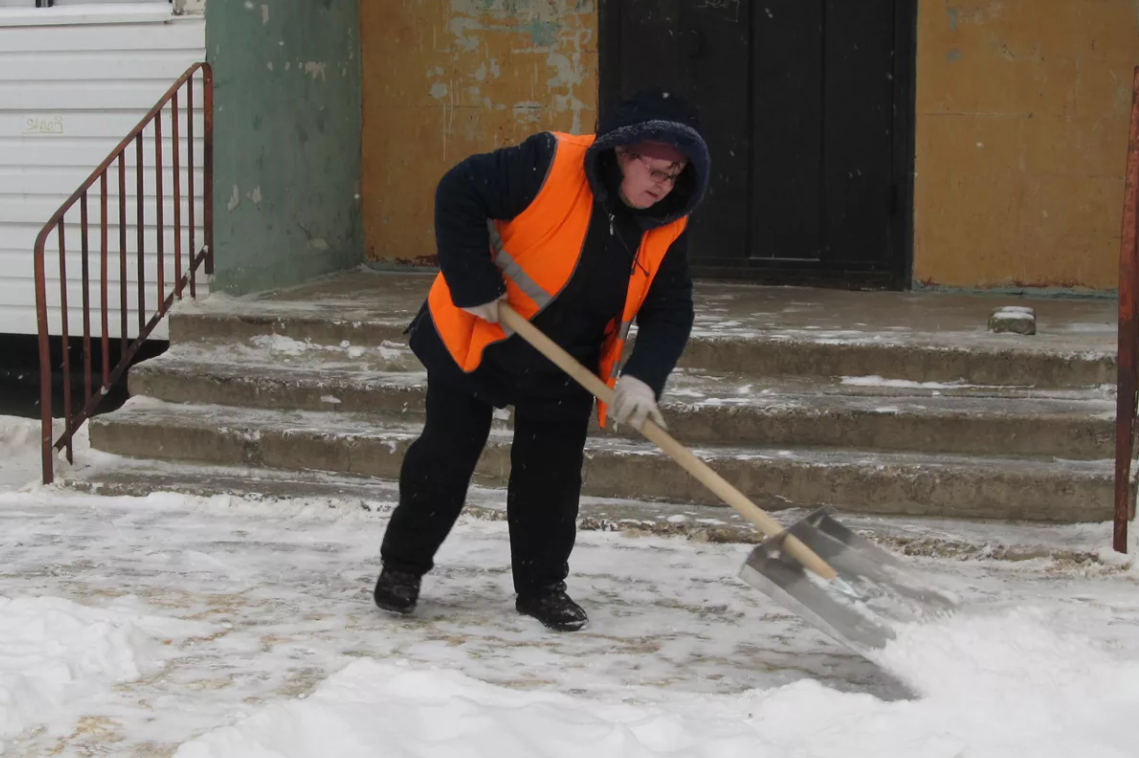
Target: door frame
x=899 y=274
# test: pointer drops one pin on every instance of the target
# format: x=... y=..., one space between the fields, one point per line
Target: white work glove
x=634 y=401
x=487 y=311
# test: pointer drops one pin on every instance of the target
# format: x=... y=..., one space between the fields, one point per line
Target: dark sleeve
x=496 y=185
x=664 y=320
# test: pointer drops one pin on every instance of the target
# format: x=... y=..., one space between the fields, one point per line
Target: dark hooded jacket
x=500 y=185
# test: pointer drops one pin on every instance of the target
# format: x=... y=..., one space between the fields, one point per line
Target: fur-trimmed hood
x=663 y=116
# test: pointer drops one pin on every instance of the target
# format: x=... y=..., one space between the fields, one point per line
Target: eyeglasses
x=658 y=175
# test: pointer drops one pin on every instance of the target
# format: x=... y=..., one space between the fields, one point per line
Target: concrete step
x=281 y=492
x=869 y=482
x=919 y=362
x=356 y=306
x=700 y=408
x=813 y=354
x=220 y=328
x=763 y=331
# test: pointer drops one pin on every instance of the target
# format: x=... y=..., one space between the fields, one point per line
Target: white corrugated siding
x=68 y=95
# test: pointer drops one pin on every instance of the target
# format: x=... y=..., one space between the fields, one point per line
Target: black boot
x=397 y=591
x=553 y=607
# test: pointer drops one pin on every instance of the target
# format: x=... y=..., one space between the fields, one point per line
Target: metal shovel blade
x=873 y=591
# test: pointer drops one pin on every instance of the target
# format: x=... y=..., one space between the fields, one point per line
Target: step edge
x=254 y=374
x=395 y=431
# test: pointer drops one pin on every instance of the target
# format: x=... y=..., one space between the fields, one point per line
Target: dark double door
x=807 y=111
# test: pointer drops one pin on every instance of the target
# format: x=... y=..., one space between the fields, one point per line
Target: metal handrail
x=1127 y=365
x=164 y=301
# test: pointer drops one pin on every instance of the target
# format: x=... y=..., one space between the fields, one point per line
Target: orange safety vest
x=537 y=253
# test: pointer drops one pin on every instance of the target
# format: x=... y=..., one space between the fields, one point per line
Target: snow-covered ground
x=192 y=627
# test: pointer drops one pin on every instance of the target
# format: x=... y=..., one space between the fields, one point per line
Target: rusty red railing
x=75 y=415
x=1126 y=359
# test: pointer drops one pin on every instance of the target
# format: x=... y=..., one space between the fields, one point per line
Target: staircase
x=876 y=403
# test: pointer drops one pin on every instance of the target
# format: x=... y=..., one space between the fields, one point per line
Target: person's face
x=646 y=180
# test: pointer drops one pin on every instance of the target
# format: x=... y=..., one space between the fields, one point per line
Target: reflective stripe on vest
x=537 y=253
x=514 y=272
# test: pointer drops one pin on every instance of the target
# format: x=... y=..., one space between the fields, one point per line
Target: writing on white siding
x=45 y=125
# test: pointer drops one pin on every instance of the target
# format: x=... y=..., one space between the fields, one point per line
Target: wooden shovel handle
x=682 y=455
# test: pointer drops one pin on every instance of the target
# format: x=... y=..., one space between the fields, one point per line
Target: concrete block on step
x=1016 y=319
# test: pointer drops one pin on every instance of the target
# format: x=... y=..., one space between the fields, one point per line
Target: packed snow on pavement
x=218 y=627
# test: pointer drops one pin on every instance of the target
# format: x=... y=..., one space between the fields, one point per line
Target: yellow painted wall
x=1021 y=140
x=446 y=78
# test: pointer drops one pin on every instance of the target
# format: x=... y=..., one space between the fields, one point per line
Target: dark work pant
x=542 y=501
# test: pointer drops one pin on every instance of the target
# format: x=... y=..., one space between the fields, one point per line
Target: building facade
x=901 y=144
x=967 y=144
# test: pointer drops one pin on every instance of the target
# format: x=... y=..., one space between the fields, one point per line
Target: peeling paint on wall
x=1021 y=138
x=316 y=70
x=446 y=78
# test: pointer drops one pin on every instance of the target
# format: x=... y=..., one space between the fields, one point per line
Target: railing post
x=159 y=221
x=176 y=165
x=104 y=304
x=123 y=306
x=1126 y=364
x=47 y=458
x=85 y=268
x=65 y=338
x=140 y=228
x=190 y=181
x=208 y=165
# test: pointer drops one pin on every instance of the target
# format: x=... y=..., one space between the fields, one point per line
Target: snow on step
x=749 y=329
x=294 y=492
x=961 y=486
x=701 y=408
x=800 y=398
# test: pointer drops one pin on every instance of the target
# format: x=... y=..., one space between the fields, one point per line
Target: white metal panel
x=68 y=95
x=20 y=208
x=75 y=263
x=22 y=320
x=84 y=152
x=11 y=235
x=81 y=66
x=45 y=125
x=179 y=34
x=15 y=13
x=46 y=180
x=131 y=95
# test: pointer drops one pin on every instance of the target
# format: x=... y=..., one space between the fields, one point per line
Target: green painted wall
x=287 y=140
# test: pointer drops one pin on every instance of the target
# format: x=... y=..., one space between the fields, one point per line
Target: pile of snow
x=21 y=463
x=20 y=449
x=58 y=659
x=1011 y=684
x=18 y=435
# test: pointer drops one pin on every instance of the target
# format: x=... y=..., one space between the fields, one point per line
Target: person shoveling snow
x=529 y=279
x=583 y=234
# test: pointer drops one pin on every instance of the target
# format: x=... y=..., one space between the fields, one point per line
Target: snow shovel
x=839 y=582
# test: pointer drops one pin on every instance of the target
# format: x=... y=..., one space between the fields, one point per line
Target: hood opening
x=658 y=115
